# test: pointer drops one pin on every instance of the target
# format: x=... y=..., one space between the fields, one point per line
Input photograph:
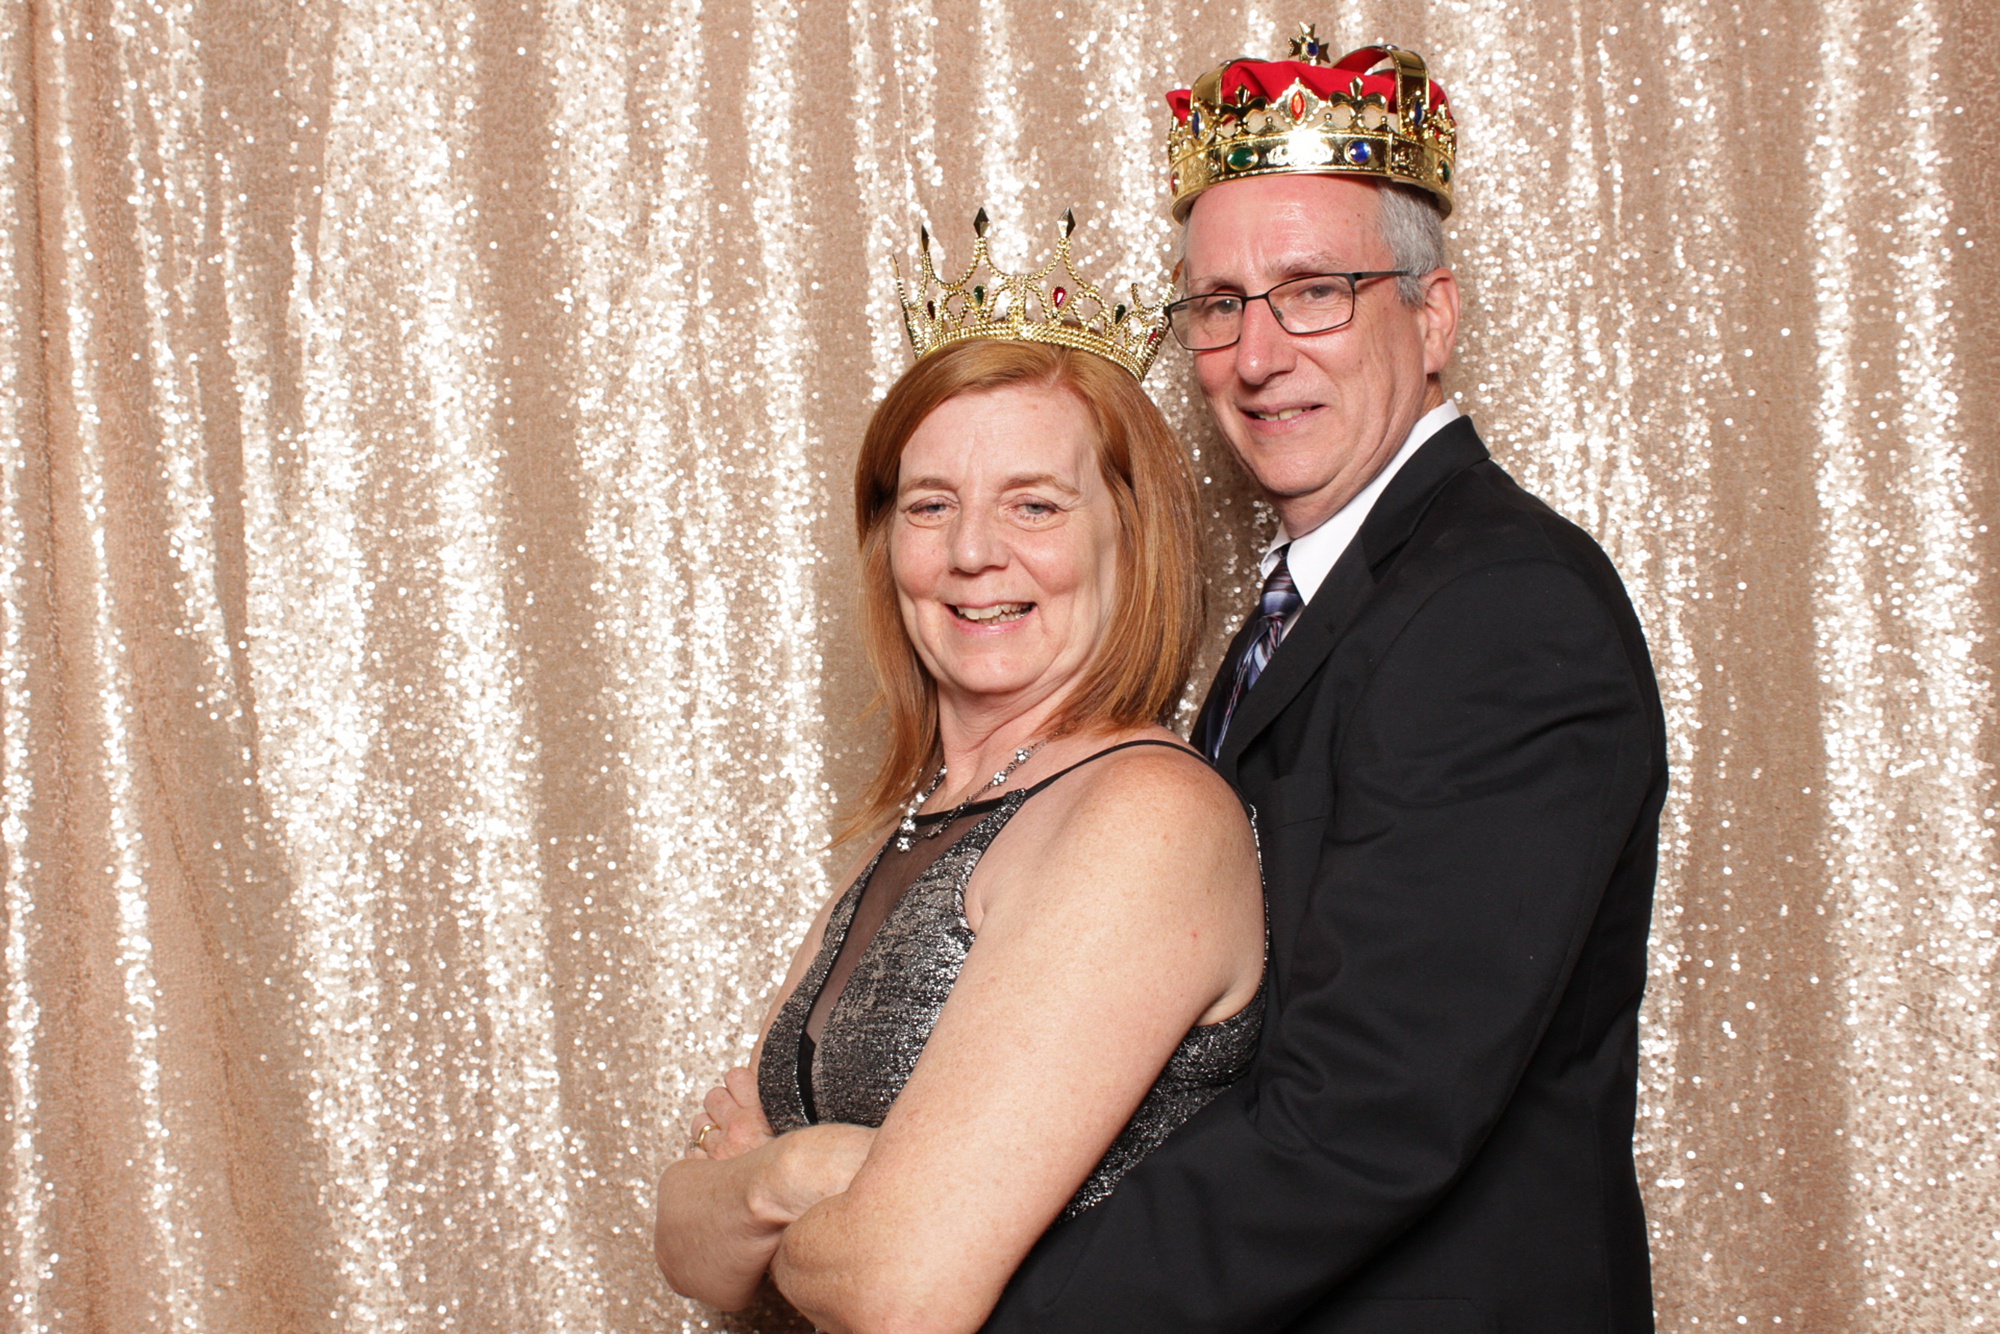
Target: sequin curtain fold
x=428 y=676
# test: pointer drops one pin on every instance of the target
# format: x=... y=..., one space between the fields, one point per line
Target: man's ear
x=1439 y=314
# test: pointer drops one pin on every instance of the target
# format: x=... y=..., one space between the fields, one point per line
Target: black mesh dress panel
x=845 y=1041
x=880 y=890
x=893 y=874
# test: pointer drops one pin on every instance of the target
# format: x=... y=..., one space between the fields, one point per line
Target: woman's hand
x=720 y=1220
x=815 y=1163
x=733 y=1123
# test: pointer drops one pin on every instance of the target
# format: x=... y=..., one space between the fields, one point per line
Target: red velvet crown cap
x=1269 y=79
x=1375 y=113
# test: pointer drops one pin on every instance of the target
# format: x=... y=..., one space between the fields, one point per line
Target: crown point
x=1026 y=307
x=1308 y=47
x=979 y=223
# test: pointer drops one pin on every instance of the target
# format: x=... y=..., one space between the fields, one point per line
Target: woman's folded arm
x=719 y=1223
x=1110 y=928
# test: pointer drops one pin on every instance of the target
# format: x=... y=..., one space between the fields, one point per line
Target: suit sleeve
x=1492 y=770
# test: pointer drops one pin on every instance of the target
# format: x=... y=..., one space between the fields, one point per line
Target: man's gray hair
x=1410 y=225
x=1413 y=229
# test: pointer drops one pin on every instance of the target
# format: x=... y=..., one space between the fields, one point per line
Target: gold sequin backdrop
x=427 y=663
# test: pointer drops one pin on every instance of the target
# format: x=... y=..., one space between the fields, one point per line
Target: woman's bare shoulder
x=1129 y=843
x=1140 y=812
x=1165 y=786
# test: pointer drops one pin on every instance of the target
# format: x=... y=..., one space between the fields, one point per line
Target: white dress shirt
x=1313 y=554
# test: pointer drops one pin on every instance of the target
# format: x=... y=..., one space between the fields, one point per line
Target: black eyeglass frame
x=1354 y=281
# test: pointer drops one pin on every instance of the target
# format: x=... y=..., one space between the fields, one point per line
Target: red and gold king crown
x=1374 y=113
x=1052 y=304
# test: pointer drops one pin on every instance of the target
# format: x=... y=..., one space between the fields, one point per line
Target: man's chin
x=1295 y=472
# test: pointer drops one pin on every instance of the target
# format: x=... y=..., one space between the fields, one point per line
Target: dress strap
x=1112 y=750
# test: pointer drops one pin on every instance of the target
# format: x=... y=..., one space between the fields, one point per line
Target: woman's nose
x=977 y=542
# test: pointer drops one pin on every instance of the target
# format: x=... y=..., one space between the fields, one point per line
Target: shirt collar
x=1313 y=554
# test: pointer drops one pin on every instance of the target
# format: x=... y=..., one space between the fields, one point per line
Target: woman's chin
x=984 y=689
x=988 y=686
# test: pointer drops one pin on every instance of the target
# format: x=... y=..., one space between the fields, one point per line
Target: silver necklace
x=906 y=832
x=907 y=829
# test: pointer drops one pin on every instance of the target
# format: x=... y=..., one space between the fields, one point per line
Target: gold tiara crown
x=1052 y=304
x=1375 y=113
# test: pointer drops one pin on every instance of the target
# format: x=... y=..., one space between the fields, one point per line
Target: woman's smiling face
x=1004 y=547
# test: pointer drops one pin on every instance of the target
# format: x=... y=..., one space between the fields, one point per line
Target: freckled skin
x=1000 y=500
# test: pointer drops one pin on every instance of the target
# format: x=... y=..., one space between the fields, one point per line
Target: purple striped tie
x=1277 y=604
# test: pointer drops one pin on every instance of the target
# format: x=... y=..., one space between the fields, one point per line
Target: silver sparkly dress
x=872 y=1033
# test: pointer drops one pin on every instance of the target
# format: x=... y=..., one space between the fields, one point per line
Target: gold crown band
x=1052 y=304
x=1346 y=133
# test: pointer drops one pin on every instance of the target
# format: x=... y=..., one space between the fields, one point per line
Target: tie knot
x=1281 y=596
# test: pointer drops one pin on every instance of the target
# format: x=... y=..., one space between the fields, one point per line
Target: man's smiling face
x=1313 y=417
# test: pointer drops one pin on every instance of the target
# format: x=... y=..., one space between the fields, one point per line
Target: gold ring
x=702 y=1134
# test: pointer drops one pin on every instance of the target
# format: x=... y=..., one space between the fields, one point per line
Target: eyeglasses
x=1316 y=304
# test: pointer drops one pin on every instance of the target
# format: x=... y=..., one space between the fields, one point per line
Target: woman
x=1053 y=954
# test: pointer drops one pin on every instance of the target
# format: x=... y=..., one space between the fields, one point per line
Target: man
x=1443 y=713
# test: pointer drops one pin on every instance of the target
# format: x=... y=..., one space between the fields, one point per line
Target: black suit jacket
x=1457 y=761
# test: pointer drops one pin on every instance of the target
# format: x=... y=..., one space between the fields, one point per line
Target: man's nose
x=1265 y=349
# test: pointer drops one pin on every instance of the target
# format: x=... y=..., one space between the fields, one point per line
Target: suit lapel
x=1349 y=584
